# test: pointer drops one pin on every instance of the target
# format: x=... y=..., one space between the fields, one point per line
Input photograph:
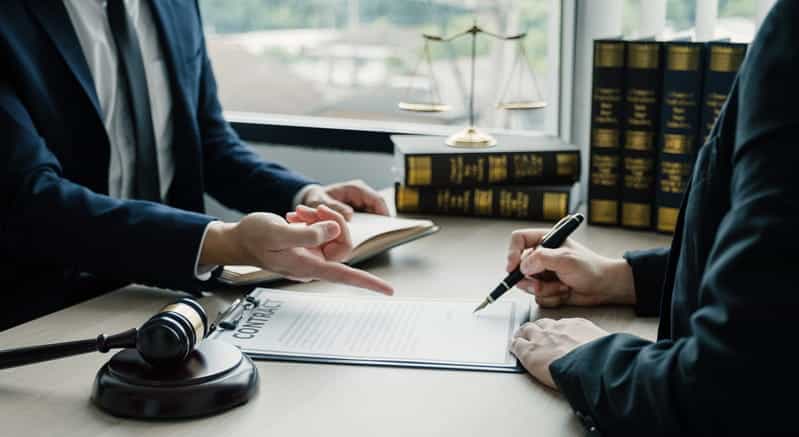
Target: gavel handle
x=36 y=354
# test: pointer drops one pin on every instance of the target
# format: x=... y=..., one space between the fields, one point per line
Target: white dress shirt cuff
x=203 y=272
x=301 y=194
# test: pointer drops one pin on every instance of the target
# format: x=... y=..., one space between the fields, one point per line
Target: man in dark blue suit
x=726 y=291
x=110 y=133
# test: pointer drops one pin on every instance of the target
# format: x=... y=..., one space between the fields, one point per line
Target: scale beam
x=471 y=136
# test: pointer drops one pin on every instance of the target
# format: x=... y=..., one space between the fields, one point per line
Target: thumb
x=313 y=235
x=542 y=259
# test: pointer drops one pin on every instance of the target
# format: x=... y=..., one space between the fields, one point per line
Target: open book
x=371 y=234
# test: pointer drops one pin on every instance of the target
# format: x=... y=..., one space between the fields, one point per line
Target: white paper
x=364 y=227
x=319 y=327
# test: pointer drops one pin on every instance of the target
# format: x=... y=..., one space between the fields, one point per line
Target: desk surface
x=463 y=260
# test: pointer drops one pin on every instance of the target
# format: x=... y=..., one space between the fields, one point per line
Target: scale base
x=471 y=138
x=215 y=377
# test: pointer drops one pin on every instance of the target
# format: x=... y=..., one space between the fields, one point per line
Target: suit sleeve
x=649 y=268
x=237 y=176
x=727 y=377
x=46 y=219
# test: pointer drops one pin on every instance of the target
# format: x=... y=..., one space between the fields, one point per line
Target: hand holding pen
x=552 y=239
x=581 y=276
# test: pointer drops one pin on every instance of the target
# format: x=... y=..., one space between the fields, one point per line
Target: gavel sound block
x=167 y=370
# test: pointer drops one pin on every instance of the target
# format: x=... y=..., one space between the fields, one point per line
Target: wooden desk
x=464 y=260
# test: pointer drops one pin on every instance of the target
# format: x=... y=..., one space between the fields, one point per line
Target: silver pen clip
x=556 y=227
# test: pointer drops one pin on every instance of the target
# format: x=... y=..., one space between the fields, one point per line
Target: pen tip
x=480 y=307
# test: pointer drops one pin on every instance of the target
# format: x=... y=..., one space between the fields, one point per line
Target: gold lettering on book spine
x=605 y=138
x=604 y=170
x=638 y=173
x=514 y=204
x=449 y=201
x=643 y=56
x=528 y=165
x=637 y=215
x=420 y=170
x=677 y=143
x=609 y=54
x=604 y=212
x=483 y=202
x=497 y=168
x=726 y=59
x=555 y=206
x=639 y=140
x=566 y=164
x=667 y=219
x=460 y=170
x=674 y=176
x=683 y=58
x=407 y=199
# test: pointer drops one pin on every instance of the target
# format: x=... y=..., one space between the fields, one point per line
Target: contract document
x=292 y=326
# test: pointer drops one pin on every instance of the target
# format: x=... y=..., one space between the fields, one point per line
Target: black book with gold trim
x=679 y=128
x=525 y=202
x=723 y=61
x=425 y=161
x=607 y=97
x=643 y=83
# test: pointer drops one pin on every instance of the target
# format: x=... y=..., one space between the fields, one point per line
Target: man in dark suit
x=726 y=291
x=110 y=133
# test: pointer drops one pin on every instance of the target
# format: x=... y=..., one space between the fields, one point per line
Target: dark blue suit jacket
x=56 y=220
x=726 y=291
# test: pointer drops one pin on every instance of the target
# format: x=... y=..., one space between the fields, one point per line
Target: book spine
x=641 y=119
x=607 y=96
x=475 y=169
x=722 y=65
x=517 y=202
x=679 y=129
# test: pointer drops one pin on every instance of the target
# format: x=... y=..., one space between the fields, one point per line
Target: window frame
x=374 y=136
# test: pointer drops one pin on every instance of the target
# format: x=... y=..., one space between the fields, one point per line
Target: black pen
x=554 y=238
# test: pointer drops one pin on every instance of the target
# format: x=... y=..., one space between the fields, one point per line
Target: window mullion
x=707 y=12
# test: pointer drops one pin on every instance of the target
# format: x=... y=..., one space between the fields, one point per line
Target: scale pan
x=423 y=107
x=532 y=104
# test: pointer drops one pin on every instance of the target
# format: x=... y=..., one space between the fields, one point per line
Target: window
x=357 y=59
x=736 y=20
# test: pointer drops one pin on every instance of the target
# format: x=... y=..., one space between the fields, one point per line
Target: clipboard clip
x=232 y=315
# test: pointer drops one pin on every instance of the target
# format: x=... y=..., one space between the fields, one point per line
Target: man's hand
x=583 y=277
x=337 y=249
x=299 y=251
x=537 y=344
x=346 y=197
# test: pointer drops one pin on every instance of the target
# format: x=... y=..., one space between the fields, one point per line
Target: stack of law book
x=653 y=105
x=522 y=177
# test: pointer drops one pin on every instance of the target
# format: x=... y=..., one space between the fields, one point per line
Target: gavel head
x=169 y=336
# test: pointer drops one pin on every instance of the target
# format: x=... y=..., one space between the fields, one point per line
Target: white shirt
x=91 y=25
x=90 y=21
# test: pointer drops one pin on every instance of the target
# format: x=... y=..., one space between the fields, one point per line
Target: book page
x=364 y=227
x=285 y=324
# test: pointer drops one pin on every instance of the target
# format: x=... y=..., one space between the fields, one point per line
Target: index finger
x=521 y=240
x=344 y=274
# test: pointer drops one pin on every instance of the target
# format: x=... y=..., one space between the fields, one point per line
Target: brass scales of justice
x=471 y=136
